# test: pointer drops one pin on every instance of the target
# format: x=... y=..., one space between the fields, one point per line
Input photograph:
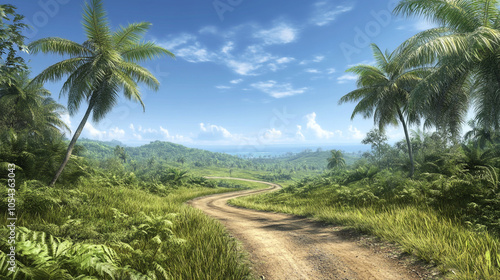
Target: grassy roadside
x=418 y=230
x=188 y=244
x=235 y=183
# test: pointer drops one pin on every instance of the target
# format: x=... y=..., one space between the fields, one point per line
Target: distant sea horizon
x=279 y=150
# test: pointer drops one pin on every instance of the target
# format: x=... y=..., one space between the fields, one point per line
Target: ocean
x=274 y=151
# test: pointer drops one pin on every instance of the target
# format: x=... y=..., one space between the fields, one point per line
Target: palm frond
x=95 y=24
x=131 y=34
x=144 y=51
x=59 y=46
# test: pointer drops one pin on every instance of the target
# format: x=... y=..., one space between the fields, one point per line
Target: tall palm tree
x=99 y=68
x=465 y=49
x=383 y=92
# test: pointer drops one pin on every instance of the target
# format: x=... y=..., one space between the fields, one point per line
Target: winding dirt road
x=285 y=247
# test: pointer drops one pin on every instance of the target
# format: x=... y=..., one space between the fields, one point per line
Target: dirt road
x=284 y=247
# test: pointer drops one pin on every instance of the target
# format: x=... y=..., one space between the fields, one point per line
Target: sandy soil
x=285 y=247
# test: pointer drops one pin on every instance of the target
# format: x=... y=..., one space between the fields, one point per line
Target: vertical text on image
x=11 y=216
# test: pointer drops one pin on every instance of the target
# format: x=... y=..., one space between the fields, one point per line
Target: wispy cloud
x=325 y=12
x=114 y=133
x=247 y=60
x=284 y=60
x=312 y=71
x=347 y=78
x=208 y=30
x=298 y=135
x=280 y=34
x=237 y=81
x=278 y=90
x=315 y=59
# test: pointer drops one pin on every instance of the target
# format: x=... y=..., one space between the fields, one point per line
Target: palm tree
x=480 y=134
x=383 y=92
x=336 y=160
x=465 y=50
x=30 y=124
x=100 y=68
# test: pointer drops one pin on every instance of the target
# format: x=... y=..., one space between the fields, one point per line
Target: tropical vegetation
x=435 y=193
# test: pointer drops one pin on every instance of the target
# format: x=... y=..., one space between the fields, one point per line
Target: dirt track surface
x=285 y=247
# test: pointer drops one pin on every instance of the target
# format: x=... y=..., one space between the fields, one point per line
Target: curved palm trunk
x=73 y=142
x=410 y=151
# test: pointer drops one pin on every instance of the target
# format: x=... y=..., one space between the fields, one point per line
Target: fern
x=43 y=256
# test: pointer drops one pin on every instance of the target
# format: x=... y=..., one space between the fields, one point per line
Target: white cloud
x=278 y=90
x=195 y=53
x=228 y=47
x=298 y=135
x=346 y=78
x=316 y=128
x=94 y=132
x=165 y=132
x=324 y=13
x=116 y=133
x=315 y=59
x=312 y=71
x=284 y=60
x=113 y=134
x=237 y=81
x=137 y=136
x=182 y=39
x=280 y=63
x=222 y=87
x=173 y=138
x=331 y=70
x=249 y=60
x=318 y=58
x=213 y=133
x=243 y=68
x=147 y=130
x=280 y=34
x=131 y=126
x=355 y=133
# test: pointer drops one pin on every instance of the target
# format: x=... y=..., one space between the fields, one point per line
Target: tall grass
x=88 y=214
x=419 y=230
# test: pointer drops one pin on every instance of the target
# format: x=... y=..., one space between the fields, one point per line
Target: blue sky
x=247 y=72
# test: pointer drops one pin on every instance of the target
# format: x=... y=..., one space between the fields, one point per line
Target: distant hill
x=317 y=159
x=161 y=151
x=168 y=152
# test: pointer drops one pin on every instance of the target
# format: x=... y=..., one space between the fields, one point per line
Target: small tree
x=336 y=160
x=378 y=141
x=11 y=41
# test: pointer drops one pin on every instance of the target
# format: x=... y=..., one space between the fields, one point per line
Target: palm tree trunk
x=410 y=151
x=73 y=142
